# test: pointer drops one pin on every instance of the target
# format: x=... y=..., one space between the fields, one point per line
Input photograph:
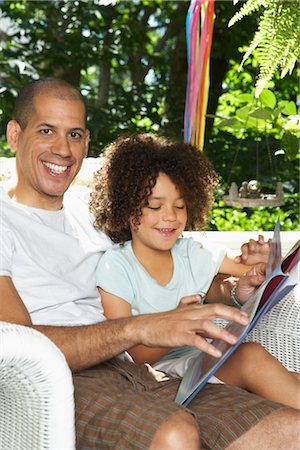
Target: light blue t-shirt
x=120 y=273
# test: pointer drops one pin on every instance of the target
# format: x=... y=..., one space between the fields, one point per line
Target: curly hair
x=128 y=174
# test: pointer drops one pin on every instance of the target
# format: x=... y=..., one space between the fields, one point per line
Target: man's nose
x=61 y=146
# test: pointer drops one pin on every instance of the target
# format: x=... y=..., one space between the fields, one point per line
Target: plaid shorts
x=120 y=405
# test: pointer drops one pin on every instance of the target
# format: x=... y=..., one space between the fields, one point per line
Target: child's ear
x=133 y=227
x=13 y=131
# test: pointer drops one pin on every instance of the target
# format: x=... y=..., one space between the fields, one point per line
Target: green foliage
x=265 y=116
x=4 y=149
x=263 y=147
x=223 y=218
x=129 y=60
x=119 y=54
x=277 y=38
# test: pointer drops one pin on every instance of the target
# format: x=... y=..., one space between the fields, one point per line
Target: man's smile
x=56 y=169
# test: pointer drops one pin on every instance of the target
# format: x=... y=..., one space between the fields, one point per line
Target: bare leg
x=280 y=430
x=179 y=432
x=252 y=368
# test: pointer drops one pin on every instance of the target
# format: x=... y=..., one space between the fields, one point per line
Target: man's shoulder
x=76 y=205
x=77 y=193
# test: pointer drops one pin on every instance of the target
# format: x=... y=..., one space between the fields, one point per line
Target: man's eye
x=46 y=131
x=75 y=135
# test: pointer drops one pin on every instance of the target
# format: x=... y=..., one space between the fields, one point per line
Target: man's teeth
x=55 y=168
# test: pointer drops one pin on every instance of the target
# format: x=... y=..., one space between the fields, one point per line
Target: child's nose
x=169 y=214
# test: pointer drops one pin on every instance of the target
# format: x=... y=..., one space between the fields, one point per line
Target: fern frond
x=248 y=8
x=277 y=38
x=289 y=66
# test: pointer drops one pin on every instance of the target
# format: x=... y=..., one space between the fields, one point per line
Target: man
x=49 y=251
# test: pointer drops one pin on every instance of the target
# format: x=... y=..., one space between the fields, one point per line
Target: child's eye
x=154 y=208
x=180 y=207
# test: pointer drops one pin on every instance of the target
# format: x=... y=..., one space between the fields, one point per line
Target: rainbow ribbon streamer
x=198 y=50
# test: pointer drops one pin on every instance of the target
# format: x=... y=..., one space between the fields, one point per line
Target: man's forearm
x=87 y=345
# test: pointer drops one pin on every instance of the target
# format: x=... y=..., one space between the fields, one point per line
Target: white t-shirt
x=51 y=257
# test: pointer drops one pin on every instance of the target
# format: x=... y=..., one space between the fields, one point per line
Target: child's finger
x=189 y=299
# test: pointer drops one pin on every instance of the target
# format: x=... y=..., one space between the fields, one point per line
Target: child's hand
x=254 y=252
x=249 y=283
x=191 y=299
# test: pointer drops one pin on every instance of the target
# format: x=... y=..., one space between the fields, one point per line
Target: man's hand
x=254 y=252
x=187 y=326
x=249 y=283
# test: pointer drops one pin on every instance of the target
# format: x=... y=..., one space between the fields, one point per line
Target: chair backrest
x=36 y=392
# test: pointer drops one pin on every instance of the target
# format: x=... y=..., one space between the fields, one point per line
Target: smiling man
x=49 y=253
x=50 y=139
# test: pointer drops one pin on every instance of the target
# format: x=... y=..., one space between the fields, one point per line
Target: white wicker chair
x=279 y=331
x=36 y=392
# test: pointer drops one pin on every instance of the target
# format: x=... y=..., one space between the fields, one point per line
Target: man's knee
x=178 y=432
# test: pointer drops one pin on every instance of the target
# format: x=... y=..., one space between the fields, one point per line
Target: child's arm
x=230 y=267
x=114 y=308
x=252 y=252
x=221 y=287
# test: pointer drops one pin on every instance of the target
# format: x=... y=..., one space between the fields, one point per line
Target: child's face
x=164 y=219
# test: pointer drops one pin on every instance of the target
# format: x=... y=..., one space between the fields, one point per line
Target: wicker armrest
x=279 y=331
x=36 y=392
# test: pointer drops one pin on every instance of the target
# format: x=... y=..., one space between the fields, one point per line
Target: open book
x=281 y=277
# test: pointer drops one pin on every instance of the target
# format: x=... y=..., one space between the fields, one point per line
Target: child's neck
x=158 y=263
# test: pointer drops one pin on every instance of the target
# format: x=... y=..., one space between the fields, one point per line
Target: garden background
x=129 y=60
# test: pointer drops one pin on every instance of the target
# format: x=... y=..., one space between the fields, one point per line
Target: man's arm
x=12 y=308
x=85 y=346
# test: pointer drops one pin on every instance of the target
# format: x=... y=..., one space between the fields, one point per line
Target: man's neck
x=36 y=201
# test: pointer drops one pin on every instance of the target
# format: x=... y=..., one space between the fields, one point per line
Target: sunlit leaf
x=267 y=98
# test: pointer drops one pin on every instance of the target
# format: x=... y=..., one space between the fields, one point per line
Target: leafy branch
x=276 y=39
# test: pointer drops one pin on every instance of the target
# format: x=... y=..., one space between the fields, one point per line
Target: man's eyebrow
x=46 y=125
x=78 y=129
x=49 y=125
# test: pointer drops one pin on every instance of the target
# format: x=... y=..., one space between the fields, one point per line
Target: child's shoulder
x=118 y=259
x=118 y=251
x=186 y=244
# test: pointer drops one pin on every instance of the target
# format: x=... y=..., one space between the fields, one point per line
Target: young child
x=147 y=192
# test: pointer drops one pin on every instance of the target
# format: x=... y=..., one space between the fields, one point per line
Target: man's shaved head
x=54 y=87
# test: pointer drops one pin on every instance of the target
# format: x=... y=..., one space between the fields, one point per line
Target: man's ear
x=13 y=130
